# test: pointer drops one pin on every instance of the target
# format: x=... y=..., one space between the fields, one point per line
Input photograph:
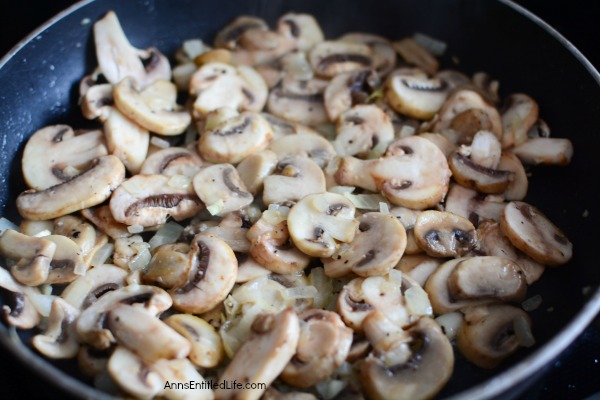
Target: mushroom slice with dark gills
x=489 y=333
x=407 y=218
x=91 y=324
x=294 y=178
x=255 y=168
x=67 y=263
x=361 y=128
x=520 y=114
x=302 y=28
x=271 y=345
x=218 y=85
x=230 y=35
x=235 y=138
x=206 y=346
x=411 y=93
x=118 y=59
x=465 y=113
x=55 y=154
x=319 y=222
x=98 y=281
x=18 y=310
x=172 y=161
x=384 y=56
x=472 y=175
x=492 y=242
x=376 y=248
x=271 y=246
x=330 y=58
x=220 y=188
x=545 y=151
x=282 y=127
x=149 y=200
x=59 y=339
x=476 y=207
x=415 y=54
x=85 y=190
x=348 y=89
x=443 y=234
x=213 y=273
x=518 y=185
x=299 y=101
x=413 y=173
x=428 y=366
x=535 y=235
x=322 y=348
x=418 y=267
x=32 y=255
x=134 y=375
x=311 y=145
x=169 y=267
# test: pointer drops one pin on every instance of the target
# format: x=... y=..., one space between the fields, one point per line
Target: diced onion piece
x=7 y=224
x=302 y=292
x=46 y=289
x=41 y=302
x=135 y=229
x=450 y=323
x=283 y=210
x=523 y=331
x=102 y=255
x=190 y=135
x=435 y=46
x=333 y=165
x=43 y=233
x=417 y=301
x=328 y=131
x=329 y=389
x=273 y=217
x=134 y=278
x=168 y=233
x=69 y=170
x=384 y=207
x=395 y=277
x=140 y=261
x=215 y=207
x=132 y=186
x=158 y=142
x=179 y=182
x=342 y=189
x=406 y=131
x=324 y=287
x=378 y=150
x=365 y=201
x=231 y=306
x=532 y=303
x=194 y=47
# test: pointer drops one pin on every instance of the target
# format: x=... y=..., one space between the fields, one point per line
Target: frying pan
x=39 y=87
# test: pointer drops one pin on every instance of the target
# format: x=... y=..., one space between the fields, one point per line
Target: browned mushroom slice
x=545 y=151
x=302 y=28
x=33 y=256
x=59 y=340
x=361 y=128
x=520 y=114
x=259 y=46
x=443 y=234
x=169 y=266
x=18 y=310
x=264 y=355
x=311 y=145
x=376 y=248
x=418 y=267
x=492 y=242
x=87 y=189
x=98 y=281
x=299 y=101
x=172 y=161
x=133 y=375
x=207 y=348
x=426 y=371
x=464 y=114
x=54 y=150
x=534 y=234
x=480 y=277
x=229 y=36
x=489 y=335
x=476 y=207
x=255 y=168
x=475 y=176
x=412 y=93
x=103 y=219
x=384 y=56
x=149 y=200
x=415 y=54
x=322 y=347
x=352 y=305
x=518 y=185
x=441 y=141
x=407 y=218
x=213 y=272
x=221 y=189
x=349 y=89
x=97 y=102
x=67 y=263
x=330 y=58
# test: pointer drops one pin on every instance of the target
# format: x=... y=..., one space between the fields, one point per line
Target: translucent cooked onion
x=194 y=47
x=43 y=233
x=450 y=323
x=435 y=46
x=406 y=131
x=341 y=189
x=331 y=388
x=324 y=286
x=168 y=233
x=102 y=255
x=384 y=207
x=7 y=224
x=532 y=303
x=41 y=302
x=215 y=207
x=523 y=331
x=135 y=229
x=141 y=260
x=365 y=201
x=417 y=301
x=161 y=143
x=180 y=182
x=302 y=292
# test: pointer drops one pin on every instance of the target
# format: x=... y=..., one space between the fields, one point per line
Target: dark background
x=575 y=375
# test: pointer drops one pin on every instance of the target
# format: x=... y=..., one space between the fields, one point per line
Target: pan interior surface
x=39 y=84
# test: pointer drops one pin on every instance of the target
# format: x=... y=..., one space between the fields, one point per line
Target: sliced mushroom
x=229 y=36
x=98 y=281
x=492 y=242
x=67 y=263
x=319 y=221
x=384 y=56
x=422 y=376
x=349 y=89
x=87 y=189
x=294 y=178
x=103 y=219
x=97 y=102
x=487 y=86
x=299 y=101
x=415 y=54
x=488 y=335
x=255 y=168
x=54 y=154
x=418 y=267
x=261 y=46
x=177 y=374
x=220 y=186
x=476 y=207
x=535 y=235
x=36 y=228
x=545 y=151
x=91 y=361
x=235 y=139
x=207 y=349
x=169 y=266
x=133 y=375
x=149 y=200
x=172 y=161
x=218 y=85
x=412 y=93
x=311 y=145
x=91 y=328
x=18 y=309
x=471 y=175
x=213 y=272
x=323 y=346
x=249 y=269
x=80 y=232
x=232 y=229
x=485 y=150
x=376 y=248
x=302 y=28
x=520 y=114
x=59 y=339
x=518 y=185
x=270 y=347
x=413 y=173
x=407 y=218
x=464 y=114
x=282 y=127
x=361 y=128
x=443 y=234
x=126 y=140
x=441 y=141
x=32 y=256
x=330 y=58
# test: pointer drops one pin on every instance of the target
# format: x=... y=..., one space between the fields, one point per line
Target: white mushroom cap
x=32 y=255
x=302 y=28
x=517 y=187
x=86 y=289
x=384 y=56
x=229 y=36
x=67 y=263
x=545 y=151
x=255 y=168
x=348 y=89
x=299 y=101
x=311 y=145
x=172 y=161
x=60 y=339
x=133 y=375
x=207 y=349
x=443 y=234
x=97 y=102
x=220 y=187
x=520 y=114
x=330 y=58
x=361 y=128
x=412 y=93
x=473 y=205
x=294 y=178
x=18 y=311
